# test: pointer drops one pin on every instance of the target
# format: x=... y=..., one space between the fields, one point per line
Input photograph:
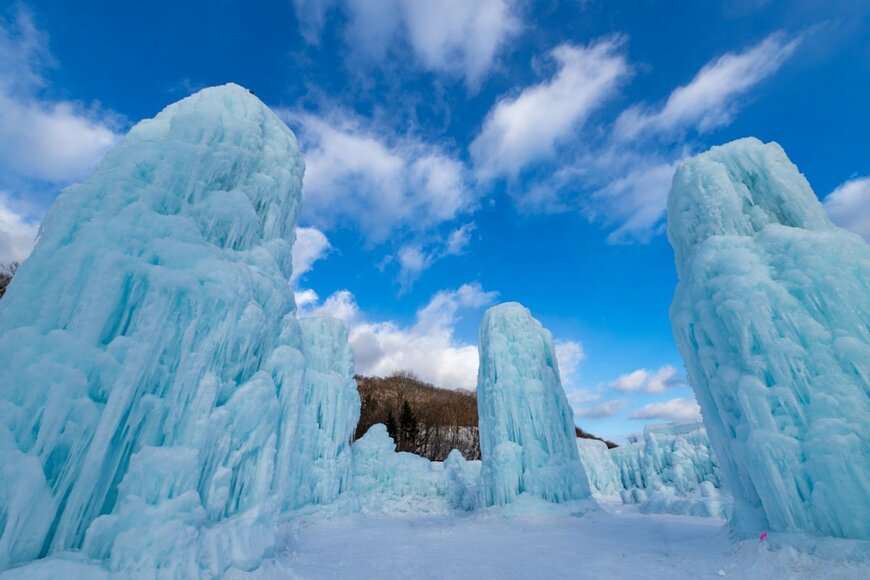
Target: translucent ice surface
x=772 y=317
x=527 y=437
x=153 y=377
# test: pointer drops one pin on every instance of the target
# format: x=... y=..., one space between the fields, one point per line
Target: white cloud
x=569 y=354
x=648 y=381
x=636 y=201
x=311 y=16
x=453 y=37
x=44 y=140
x=306 y=298
x=428 y=347
x=708 y=101
x=525 y=129
x=17 y=233
x=377 y=183
x=849 y=206
x=311 y=245
x=458 y=36
x=416 y=257
x=680 y=410
x=601 y=410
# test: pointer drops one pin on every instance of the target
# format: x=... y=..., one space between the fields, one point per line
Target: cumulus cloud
x=849 y=206
x=527 y=128
x=679 y=410
x=709 y=100
x=453 y=37
x=378 y=183
x=17 y=233
x=42 y=139
x=569 y=354
x=311 y=245
x=601 y=410
x=648 y=381
x=428 y=347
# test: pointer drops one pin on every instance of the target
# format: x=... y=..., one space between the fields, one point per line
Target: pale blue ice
x=527 y=440
x=772 y=317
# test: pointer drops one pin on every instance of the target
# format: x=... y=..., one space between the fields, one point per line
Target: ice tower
x=772 y=316
x=150 y=387
x=527 y=437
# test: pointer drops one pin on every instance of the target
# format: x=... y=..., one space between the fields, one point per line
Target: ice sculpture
x=387 y=482
x=152 y=362
x=601 y=470
x=672 y=470
x=527 y=437
x=330 y=411
x=772 y=317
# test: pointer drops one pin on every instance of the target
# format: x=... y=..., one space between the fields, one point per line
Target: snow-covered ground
x=618 y=542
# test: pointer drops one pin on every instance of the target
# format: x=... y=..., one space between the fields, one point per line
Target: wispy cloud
x=601 y=410
x=527 y=128
x=710 y=100
x=682 y=409
x=648 y=381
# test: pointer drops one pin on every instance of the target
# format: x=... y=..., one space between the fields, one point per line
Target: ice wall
x=527 y=437
x=672 y=471
x=772 y=317
x=329 y=413
x=152 y=364
x=600 y=468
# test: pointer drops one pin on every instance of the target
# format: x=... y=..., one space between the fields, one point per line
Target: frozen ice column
x=329 y=413
x=151 y=357
x=772 y=316
x=526 y=428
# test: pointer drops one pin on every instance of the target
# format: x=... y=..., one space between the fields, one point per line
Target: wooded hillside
x=422 y=418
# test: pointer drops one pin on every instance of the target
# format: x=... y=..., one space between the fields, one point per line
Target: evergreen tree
x=391 y=425
x=408 y=429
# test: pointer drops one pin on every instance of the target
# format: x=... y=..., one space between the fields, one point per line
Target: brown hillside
x=433 y=422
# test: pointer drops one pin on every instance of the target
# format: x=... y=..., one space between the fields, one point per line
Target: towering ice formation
x=330 y=411
x=772 y=316
x=527 y=437
x=152 y=363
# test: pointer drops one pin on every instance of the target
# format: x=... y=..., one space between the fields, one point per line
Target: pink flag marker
x=763 y=535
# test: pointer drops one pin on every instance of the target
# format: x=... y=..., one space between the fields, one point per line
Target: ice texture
x=527 y=439
x=387 y=482
x=673 y=470
x=151 y=391
x=601 y=470
x=329 y=413
x=772 y=317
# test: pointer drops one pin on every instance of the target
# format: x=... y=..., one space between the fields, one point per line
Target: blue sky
x=461 y=153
